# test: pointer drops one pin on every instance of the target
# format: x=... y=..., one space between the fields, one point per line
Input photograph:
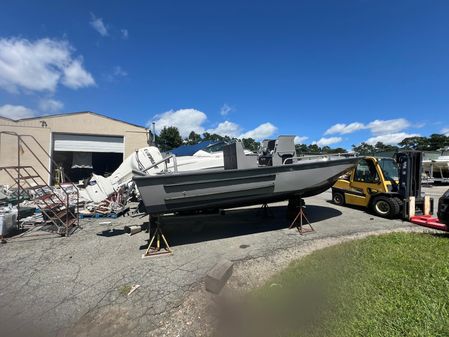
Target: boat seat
x=266 y=160
x=266 y=152
x=235 y=157
x=284 y=149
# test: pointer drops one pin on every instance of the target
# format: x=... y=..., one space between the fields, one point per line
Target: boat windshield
x=215 y=148
x=389 y=168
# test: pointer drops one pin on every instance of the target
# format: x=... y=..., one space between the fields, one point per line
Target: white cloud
x=98 y=25
x=186 y=120
x=445 y=131
x=125 y=34
x=225 y=110
x=377 y=127
x=15 y=111
x=119 y=72
x=300 y=139
x=232 y=129
x=341 y=128
x=49 y=105
x=391 y=138
x=327 y=141
x=76 y=77
x=40 y=65
x=388 y=131
x=226 y=128
x=259 y=133
x=383 y=127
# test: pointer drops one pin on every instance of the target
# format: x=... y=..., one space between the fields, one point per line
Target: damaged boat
x=275 y=174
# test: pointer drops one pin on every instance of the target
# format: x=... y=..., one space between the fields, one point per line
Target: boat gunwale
x=277 y=169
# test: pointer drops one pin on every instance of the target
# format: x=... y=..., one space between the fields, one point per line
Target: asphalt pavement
x=77 y=286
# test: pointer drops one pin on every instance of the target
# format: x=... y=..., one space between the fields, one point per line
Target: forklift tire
x=338 y=198
x=386 y=207
x=399 y=201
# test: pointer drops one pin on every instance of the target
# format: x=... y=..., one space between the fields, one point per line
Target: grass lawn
x=390 y=285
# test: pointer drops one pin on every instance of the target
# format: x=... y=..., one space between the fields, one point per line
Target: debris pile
x=36 y=206
x=8 y=220
x=63 y=204
x=114 y=205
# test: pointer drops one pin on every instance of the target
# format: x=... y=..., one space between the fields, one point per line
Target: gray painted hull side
x=230 y=188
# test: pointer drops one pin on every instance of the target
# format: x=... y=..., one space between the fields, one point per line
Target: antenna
x=154 y=133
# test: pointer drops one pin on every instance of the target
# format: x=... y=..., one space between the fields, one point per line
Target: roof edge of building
x=73 y=113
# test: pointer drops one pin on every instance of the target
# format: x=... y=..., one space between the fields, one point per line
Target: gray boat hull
x=231 y=188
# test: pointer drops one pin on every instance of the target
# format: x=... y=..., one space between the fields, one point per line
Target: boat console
x=273 y=153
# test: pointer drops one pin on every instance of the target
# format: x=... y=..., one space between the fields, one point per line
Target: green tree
x=364 y=149
x=381 y=147
x=415 y=143
x=193 y=138
x=438 y=141
x=213 y=136
x=250 y=144
x=169 y=138
x=229 y=140
x=313 y=148
x=301 y=149
x=337 y=150
x=326 y=149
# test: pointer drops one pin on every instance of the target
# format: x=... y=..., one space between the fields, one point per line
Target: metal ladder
x=56 y=209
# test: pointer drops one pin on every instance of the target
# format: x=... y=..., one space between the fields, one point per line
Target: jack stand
x=301 y=216
x=266 y=211
x=157 y=238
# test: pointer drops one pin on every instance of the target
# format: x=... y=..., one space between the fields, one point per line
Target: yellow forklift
x=384 y=186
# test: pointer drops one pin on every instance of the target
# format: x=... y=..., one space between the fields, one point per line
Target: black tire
x=400 y=202
x=386 y=207
x=338 y=198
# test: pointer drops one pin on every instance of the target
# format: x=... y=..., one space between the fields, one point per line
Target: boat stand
x=156 y=240
x=301 y=216
x=266 y=211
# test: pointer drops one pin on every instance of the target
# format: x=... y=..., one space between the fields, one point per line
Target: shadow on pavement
x=181 y=230
x=113 y=232
x=355 y=207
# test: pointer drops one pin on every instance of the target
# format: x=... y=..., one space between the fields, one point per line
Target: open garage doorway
x=100 y=163
x=78 y=156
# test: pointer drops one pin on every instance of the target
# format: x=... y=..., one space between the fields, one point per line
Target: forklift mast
x=410 y=168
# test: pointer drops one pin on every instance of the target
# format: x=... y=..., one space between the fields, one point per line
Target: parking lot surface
x=77 y=286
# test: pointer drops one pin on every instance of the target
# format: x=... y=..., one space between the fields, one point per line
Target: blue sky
x=336 y=72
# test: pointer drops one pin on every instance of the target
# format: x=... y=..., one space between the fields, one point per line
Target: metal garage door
x=87 y=143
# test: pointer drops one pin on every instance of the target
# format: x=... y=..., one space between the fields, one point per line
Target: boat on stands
x=437 y=169
x=274 y=174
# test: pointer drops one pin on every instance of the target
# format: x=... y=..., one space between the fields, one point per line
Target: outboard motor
x=443 y=208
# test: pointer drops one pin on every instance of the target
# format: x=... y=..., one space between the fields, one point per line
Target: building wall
x=134 y=140
x=83 y=123
x=8 y=150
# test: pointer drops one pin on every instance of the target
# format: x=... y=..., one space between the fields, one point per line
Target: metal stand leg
x=301 y=216
x=266 y=211
x=156 y=240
